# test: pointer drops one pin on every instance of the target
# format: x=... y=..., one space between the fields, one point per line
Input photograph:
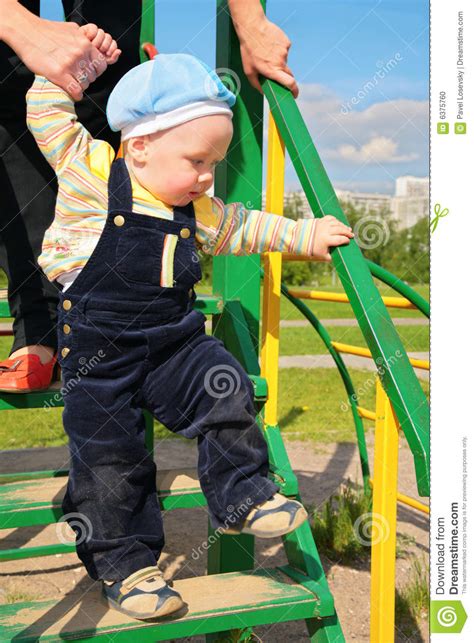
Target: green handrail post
x=147 y=27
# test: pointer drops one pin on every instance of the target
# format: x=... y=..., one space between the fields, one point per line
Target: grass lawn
x=311 y=407
x=306 y=341
x=311 y=401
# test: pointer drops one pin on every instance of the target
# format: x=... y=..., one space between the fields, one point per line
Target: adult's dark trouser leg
x=199 y=390
x=27 y=197
x=27 y=182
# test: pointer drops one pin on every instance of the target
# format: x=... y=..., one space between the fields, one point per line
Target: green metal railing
x=396 y=373
x=401 y=287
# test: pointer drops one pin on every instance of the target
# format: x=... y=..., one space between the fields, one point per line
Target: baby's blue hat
x=168 y=90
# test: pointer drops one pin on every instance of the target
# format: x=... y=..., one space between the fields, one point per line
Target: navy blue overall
x=127 y=343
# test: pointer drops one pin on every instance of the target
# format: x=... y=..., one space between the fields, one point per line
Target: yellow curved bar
x=272 y=276
x=411 y=502
x=341 y=298
x=365 y=413
x=364 y=352
x=408 y=500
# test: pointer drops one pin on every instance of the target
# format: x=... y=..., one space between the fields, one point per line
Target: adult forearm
x=61 y=51
x=16 y=23
x=263 y=45
x=244 y=13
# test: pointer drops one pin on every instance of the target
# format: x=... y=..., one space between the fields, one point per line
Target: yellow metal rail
x=364 y=352
x=272 y=276
x=384 y=521
x=401 y=497
x=408 y=500
x=341 y=298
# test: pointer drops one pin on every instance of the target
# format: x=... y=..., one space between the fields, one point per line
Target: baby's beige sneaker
x=274 y=517
x=143 y=594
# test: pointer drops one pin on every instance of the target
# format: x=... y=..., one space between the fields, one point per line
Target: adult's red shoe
x=26 y=373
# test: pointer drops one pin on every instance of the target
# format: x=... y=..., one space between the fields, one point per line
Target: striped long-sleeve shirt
x=82 y=165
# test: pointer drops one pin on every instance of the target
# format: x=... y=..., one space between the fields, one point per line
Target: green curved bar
x=346 y=378
x=396 y=373
x=400 y=286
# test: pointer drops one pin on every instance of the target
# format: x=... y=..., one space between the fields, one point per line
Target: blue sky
x=339 y=52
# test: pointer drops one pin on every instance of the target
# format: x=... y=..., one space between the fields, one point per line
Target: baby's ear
x=137 y=147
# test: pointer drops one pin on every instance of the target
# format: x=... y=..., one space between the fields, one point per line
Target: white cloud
x=371 y=145
x=389 y=131
x=380 y=149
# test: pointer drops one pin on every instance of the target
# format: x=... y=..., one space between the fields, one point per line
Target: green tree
x=408 y=253
x=374 y=230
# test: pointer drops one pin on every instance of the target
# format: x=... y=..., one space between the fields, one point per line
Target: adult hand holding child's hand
x=63 y=52
x=330 y=232
x=107 y=54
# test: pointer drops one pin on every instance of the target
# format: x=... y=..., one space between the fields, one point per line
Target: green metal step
x=207 y=304
x=37 y=501
x=214 y=603
x=52 y=398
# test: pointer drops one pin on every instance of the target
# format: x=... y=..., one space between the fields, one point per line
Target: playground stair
x=235 y=600
x=233 y=595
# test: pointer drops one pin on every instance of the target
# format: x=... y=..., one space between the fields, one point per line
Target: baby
x=122 y=247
